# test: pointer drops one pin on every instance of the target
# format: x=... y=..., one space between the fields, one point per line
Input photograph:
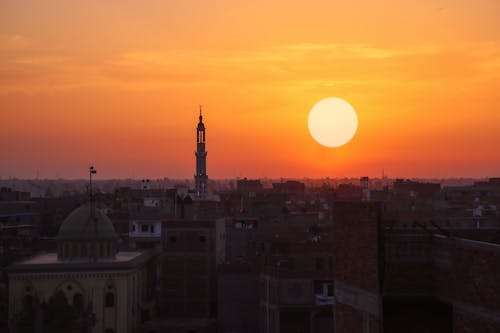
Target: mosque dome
x=86 y=235
x=80 y=224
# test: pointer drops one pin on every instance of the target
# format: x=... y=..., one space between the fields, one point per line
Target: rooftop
x=49 y=262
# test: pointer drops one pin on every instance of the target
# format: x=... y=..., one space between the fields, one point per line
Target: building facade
x=187 y=287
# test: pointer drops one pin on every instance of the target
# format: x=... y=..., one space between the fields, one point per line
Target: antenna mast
x=93 y=171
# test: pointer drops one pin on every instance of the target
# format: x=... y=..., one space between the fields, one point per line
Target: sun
x=332 y=122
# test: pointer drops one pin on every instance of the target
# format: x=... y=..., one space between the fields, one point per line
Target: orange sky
x=117 y=84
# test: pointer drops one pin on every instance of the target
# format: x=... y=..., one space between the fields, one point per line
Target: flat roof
x=48 y=262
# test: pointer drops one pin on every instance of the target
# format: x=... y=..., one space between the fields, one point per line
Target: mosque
x=87 y=286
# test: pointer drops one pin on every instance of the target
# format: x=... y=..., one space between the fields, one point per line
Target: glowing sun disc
x=332 y=122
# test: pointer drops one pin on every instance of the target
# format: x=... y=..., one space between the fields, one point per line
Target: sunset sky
x=117 y=84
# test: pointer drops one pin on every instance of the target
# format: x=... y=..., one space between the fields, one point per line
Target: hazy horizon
x=97 y=179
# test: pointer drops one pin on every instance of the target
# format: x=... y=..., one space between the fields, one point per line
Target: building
x=240 y=238
x=187 y=288
x=296 y=284
x=418 y=279
x=248 y=186
x=200 y=178
x=294 y=189
x=238 y=298
x=86 y=286
x=358 y=262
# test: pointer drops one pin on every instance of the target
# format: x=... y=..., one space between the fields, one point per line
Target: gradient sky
x=117 y=84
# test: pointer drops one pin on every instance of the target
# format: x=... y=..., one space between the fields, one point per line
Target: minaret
x=200 y=178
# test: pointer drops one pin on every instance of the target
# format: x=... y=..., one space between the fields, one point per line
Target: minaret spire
x=200 y=177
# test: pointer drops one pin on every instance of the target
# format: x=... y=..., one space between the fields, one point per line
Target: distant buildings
x=249 y=186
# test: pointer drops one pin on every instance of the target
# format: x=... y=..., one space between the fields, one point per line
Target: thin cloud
x=286 y=67
x=13 y=42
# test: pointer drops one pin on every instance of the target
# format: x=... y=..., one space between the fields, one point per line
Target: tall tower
x=200 y=178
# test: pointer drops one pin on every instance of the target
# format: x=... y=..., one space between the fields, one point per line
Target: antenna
x=93 y=171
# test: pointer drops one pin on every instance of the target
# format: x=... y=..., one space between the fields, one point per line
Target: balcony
x=321 y=299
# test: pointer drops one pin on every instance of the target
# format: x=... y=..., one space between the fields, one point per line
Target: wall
x=357 y=264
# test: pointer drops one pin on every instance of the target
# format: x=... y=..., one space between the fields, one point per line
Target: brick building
x=296 y=283
x=238 y=298
x=187 y=289
x=413 y=280
x=358 y=263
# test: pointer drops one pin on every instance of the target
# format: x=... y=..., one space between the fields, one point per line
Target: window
x=110 y=300
x=144 y=228
x=203 y=239
x=133 y=227
x=320 y=264
x=324 y=288
x=329 y=289
x=152 y=228
x=173 y=239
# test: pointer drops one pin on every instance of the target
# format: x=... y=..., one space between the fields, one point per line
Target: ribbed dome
x=79 y=225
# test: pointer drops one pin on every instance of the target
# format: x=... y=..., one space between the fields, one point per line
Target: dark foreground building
x=410 y=281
